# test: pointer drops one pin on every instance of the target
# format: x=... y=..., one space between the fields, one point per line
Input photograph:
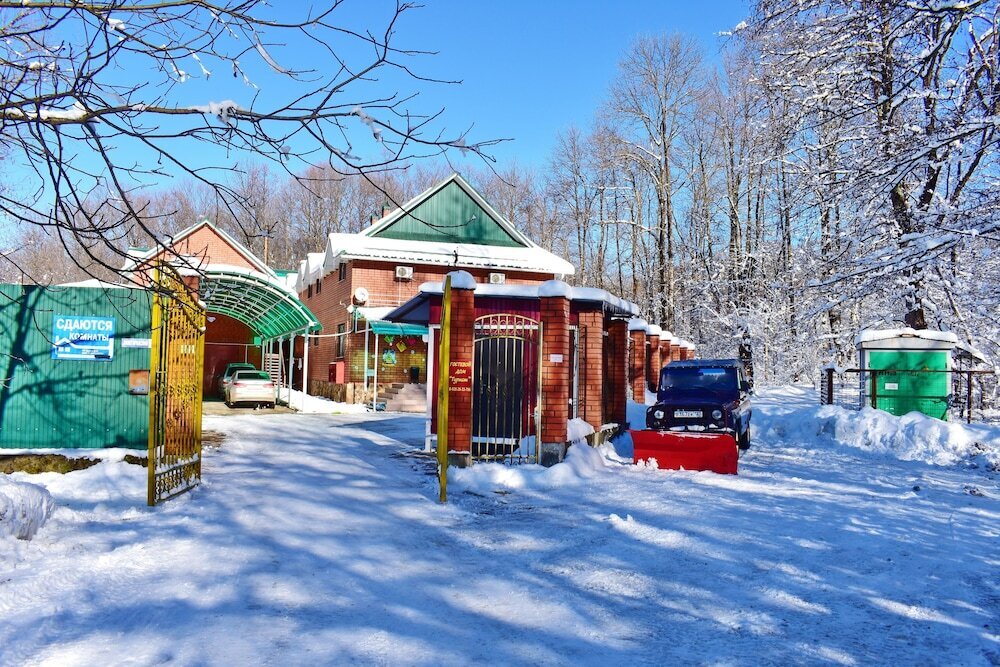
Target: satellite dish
x=360 y=296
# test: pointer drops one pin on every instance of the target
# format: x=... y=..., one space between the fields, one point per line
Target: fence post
x=874 y=374
x=968 y=398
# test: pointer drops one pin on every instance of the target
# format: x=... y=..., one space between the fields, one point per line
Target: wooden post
x=444 y=356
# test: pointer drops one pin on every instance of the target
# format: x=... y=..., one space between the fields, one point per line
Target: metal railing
x=973 y=394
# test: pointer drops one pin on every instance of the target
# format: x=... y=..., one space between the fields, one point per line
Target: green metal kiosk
x=906 y=370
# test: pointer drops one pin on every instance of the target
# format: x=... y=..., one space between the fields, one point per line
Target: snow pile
x=581 y=463
x=577 y=431
x=317 y=405
x=24 y=508
x=912 y=437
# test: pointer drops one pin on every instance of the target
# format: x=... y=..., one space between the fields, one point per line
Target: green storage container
x=910 y=371
x=72 y=361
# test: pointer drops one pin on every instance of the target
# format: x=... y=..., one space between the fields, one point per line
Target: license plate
x=687 y=414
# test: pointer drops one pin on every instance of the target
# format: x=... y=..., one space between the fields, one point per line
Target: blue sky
x=528 y=70
x=531 y=69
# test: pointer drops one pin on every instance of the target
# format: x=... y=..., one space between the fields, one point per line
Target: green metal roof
x=269 y=308
x=449 y=215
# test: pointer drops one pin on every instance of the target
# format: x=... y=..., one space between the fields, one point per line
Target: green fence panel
x=71 y=367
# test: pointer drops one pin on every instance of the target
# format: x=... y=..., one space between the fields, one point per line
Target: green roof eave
x=383 y=328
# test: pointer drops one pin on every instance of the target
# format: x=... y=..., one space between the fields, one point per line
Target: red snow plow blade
x=676 y=450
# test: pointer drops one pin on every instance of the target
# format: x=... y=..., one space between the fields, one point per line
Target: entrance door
x=506 y=388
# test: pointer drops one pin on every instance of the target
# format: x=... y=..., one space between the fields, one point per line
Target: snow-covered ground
x=317 y=539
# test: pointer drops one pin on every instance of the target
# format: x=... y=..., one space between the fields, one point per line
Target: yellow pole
x=442 y=397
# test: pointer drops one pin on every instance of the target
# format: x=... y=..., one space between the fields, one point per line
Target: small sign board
x=891 y=386
x=460 y=376
x=83 y=337
x=146 y=343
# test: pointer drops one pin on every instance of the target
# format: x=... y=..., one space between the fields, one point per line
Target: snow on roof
x=462 y=280
x=374 y=313
x=556 y=288
x=637 y=324
x=533 y=292
x=869 y=335
x=357 y=246
x=94 y=282
x=313 y=267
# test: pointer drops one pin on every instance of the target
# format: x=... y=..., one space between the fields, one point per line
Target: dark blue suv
x=703 y=395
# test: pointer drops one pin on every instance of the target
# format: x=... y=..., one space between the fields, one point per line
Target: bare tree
x=101 y=99
x=653 y=95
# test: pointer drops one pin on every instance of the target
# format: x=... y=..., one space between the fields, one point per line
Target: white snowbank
x=24 y=508
x=912 y=437
x=317 y=405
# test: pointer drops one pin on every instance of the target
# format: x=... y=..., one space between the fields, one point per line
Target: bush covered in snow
x=24 y=508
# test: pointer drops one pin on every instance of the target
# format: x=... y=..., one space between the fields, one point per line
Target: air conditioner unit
x=404 y=272
x=497 y=278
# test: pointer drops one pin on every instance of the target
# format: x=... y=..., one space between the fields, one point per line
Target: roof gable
x=451 y=212
x=202 y=244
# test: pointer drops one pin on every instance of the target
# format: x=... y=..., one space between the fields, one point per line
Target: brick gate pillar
x=554 y=298
x=653 y=364
x=617 y=371
x=666 y=339
x=675 y=351
x=463 y=322
x=637 y=363
x=591 y=365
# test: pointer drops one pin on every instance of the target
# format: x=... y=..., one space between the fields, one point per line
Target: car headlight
x=658 y=414
x=716 y=414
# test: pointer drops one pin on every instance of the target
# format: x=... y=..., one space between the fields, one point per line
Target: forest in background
x=838 y=171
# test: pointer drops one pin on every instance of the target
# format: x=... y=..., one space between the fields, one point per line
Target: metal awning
x=265 y=305
x=383 y=328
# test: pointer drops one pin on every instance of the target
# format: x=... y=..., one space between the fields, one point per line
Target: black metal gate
x=506 y=389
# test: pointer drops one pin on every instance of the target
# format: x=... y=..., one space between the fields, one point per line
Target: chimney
x=386 y=207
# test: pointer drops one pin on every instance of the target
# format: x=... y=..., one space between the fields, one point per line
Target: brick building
x=252 y=311
x=359 y=278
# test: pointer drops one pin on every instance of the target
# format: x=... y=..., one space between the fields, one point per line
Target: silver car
x=250 y=387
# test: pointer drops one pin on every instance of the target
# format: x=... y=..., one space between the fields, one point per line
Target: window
x=316 y=341
x=309 y=292
x=341 y=337
x=319 y=286
x=342 y=271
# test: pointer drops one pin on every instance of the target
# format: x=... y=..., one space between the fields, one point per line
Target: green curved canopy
x=269 y=308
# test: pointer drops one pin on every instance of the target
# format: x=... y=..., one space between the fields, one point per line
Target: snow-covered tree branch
x=99 y=100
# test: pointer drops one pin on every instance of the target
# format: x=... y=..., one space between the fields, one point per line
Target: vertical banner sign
x=83 y=337
x=444 y=358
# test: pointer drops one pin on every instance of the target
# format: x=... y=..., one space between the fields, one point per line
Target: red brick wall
x=555 y=374
x=637 y=365
x=591 y=365
x=463 y=315
x=653 y=364
x=616 y=369
x=675 y=352
x=329 y=305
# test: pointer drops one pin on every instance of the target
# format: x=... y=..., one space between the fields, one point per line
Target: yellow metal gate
x=176 y=369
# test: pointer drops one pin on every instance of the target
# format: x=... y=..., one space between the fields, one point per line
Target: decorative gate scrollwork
x=176 y=368
x=506 y=391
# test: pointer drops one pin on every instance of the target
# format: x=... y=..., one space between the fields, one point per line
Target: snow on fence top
x=535 y=291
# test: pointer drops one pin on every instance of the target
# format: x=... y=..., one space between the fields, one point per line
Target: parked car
x=710 y=396
x=250 y=387
x=227 y=375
